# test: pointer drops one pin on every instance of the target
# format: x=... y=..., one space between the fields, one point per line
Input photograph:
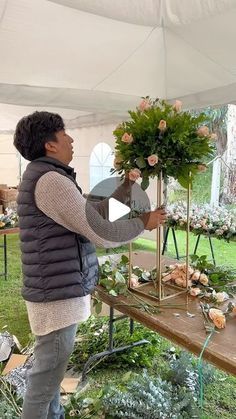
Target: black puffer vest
x=57 y=263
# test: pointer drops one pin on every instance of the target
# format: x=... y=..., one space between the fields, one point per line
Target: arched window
x=100 y=164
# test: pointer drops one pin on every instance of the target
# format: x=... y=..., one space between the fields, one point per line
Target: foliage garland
x=210 y=221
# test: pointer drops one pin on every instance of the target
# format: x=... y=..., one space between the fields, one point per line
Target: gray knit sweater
x=66 y=206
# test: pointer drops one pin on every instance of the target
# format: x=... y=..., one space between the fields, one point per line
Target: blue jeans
x=52 y=353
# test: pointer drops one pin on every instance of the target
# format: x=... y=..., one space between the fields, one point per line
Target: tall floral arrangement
x=161 y=137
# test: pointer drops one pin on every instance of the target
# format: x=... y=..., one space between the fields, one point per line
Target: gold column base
x=157 y=290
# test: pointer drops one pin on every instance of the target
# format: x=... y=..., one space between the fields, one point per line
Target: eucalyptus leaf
x=119 y=277
x=145 y=276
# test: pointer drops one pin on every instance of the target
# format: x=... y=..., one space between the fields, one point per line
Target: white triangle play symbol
x=117 y=209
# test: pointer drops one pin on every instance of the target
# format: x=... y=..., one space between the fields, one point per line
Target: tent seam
x=202 y=54
x=125 y=60
x=4 y=12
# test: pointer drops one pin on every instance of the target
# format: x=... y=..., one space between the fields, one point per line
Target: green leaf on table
x=119 y=277
x=113 y=293
x=106 y=283
x=121 y=288
x=124 y=259
x=145 y=277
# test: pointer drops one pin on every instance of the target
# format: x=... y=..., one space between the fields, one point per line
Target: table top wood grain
x=10 y=230
x=176 y=325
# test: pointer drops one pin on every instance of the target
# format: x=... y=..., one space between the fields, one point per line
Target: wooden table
x=4 y=232
x=186 y=331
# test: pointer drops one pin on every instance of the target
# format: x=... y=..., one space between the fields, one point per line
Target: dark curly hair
x=33 y=131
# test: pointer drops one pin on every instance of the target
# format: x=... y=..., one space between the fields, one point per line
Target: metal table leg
x=212 y=251
x=164 y=248
x=211 y=247
x=175 y=243
x=196 y=245
x=111 y=349
x=4 y=246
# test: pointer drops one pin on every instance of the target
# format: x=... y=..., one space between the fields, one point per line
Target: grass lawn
x=13 y=315
x=225 y=253
x=220 y=400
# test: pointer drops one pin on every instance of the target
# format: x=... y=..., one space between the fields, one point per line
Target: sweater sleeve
x=121 y=194
x=58 y=198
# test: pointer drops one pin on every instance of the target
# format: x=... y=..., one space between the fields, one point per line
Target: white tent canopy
x=91 y=60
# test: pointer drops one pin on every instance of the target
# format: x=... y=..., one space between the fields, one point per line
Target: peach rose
x=179 y=282
x=189 y=282
x=203 y=131
x=162 y=125
x=127 y=138
x=144 y=105
x=213 y=136
x=218 y=317
x=234 y=310
x=177 y=105
x=202 y=168
x=166 y=277
x=196 y=275
x=175 y=274
x=194 y=292
x=152 y=160
x=203 y=279
x=134 y=174
x=2 y=224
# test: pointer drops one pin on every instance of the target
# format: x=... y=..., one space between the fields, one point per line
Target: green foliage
x=221 y=278
x=183 y=372
x=179 y=147
x=220 y=400
x=6 y=410
x=136 y=396
x=93 y=338
x=10 y=403
x=114 y=278
x=80 y=407
x=146 y=397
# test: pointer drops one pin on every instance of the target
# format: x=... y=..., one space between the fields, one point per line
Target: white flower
x=221 y=296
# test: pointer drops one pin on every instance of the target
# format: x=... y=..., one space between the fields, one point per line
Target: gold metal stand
x=160 y=291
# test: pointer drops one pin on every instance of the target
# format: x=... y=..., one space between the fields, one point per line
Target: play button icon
x=117 y=210
x=117 y=201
